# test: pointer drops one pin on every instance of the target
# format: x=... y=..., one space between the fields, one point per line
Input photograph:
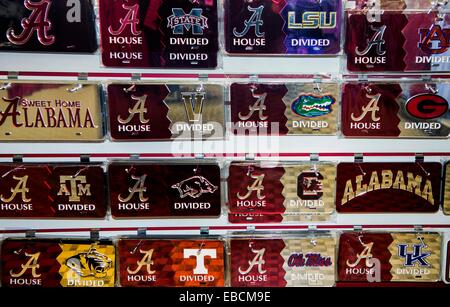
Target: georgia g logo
x=427 y=106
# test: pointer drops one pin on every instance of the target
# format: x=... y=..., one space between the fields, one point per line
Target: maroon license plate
x=141 y=111
x=52 y=191
x=47 y=25
x=388 y=187
x=397 y=36
x=395 y=110
x=284 y=108
x=164 y=190
x=381 y=257
x=144 y=34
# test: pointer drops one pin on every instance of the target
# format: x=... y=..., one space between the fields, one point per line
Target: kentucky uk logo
x=416 y=257
x=309 y=105
x=179 y=21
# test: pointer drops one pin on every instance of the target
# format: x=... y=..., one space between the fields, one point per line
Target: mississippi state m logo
x=414 y=257
x=194 y=21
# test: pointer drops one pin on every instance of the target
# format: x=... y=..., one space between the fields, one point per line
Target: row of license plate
x=257 y=192
x=403 y=35
x=37 y=111
x=257 y=261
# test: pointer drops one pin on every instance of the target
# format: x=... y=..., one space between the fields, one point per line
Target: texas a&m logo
x=74 y=187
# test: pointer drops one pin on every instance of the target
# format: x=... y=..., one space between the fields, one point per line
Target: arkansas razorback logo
x=194 y=187
x=91 y=263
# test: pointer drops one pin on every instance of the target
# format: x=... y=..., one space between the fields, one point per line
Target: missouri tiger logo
x=91 y=263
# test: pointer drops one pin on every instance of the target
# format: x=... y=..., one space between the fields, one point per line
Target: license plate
x=284 y=109
x=447 y=271
x=297 y=27
x=50 y=112
x=295 y=262
x=52 y=191
x=380 y=257
x=171 y=263
x=388 y=187
x=164 y=190
x=47 y=25
x=145 y=34
x=446 y=198
x=401 y=37
x=290 y=191
x=396 y=110
x=166 y=111
x=56 y=263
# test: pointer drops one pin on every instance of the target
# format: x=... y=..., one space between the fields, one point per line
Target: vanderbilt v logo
x=193 y=103
x=137 y=188
x=257 y=260
x=146 y=261
x=32 y=265
x=371 y=107
x=138 y=108
x=259 y=106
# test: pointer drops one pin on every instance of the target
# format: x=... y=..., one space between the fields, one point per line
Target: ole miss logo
x=427 y=106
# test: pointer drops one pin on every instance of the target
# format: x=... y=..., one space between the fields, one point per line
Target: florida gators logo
x=310 y=105
x=91 y=263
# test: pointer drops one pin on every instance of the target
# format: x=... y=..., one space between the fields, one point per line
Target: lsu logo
x=313 y=20
x=193 y=21
x=91 y=263
x=194 y=187
x=417 y=256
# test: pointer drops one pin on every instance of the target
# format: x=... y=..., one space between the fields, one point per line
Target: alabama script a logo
x=254 y=21
x=37 y=22
x=377 y=41
x=130 y=19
